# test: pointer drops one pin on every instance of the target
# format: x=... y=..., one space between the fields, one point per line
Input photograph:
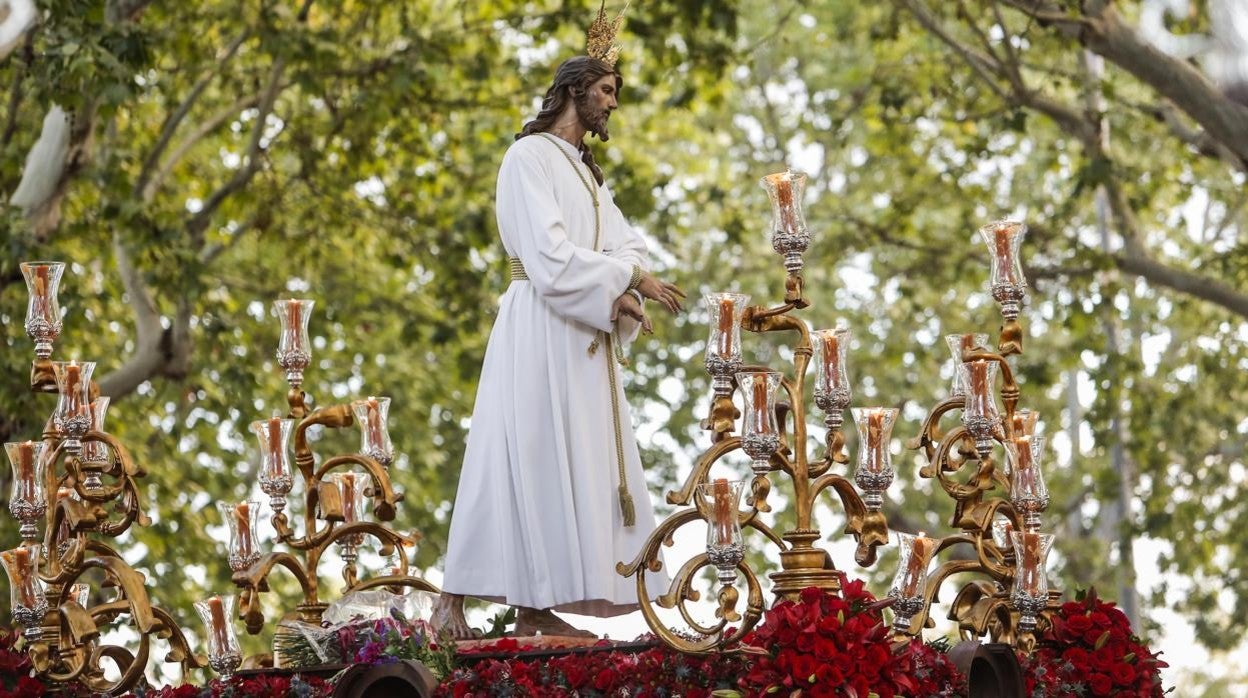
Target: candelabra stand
x=1009 y=601
x=989 y=465
x=72 y=460
x=774 y=436
x=335 y=495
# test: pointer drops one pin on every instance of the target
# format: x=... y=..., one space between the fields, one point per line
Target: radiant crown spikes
x=600 y=39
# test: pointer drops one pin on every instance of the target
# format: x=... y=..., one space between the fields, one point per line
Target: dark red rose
x=1101 y=685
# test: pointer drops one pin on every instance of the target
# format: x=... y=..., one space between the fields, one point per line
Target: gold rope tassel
x=627 y=508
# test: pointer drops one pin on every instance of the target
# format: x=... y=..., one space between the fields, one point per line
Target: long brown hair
x=572 y=80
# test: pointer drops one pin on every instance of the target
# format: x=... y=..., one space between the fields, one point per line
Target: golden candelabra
x=335 y=491
x=96 y=498
x=1009 y=600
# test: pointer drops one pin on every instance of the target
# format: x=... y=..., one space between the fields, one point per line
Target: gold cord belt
x=517 y=269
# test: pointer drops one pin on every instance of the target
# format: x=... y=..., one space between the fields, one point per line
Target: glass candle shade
x=28 y=500
x=217 y=612
x=242 y=519
x=63 y=532
x=910 y=582
x=294 y=351
x=957 y=344
x=761 y=435
x=832 y=391
x=1028 y=493
x=95 y=454
x=73 y=409
x=725 y=548
x=1002 y=535
x=875 y=461
x=1031 y=582
x=723 y=347
x=1008 y=284
x=981 y=416
x=372 y=415
x=1023 y=423
x=43 y=310
x=79 y=594
x=789 y=236
x=351 y=486
x=276 y=479
x=26 y=595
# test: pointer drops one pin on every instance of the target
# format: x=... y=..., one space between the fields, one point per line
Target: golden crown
x=600 y=39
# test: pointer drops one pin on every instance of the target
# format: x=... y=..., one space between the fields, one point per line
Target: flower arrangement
x=830 y=645
x=15 y=678
x=1091 y=651
x=658 y=672
x=268 y=686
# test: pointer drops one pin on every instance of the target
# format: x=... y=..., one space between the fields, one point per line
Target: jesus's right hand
x=666 y=294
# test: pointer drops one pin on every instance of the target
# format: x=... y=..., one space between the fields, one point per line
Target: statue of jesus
x=552 y=493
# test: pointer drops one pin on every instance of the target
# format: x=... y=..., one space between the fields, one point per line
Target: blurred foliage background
x=223 y=154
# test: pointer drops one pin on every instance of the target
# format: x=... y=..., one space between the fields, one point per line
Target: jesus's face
x=594 y=107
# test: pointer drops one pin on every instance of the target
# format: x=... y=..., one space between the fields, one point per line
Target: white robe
x=537 y=518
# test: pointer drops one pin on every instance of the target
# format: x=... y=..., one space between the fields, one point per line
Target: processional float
x=988 y=463
x=89 y=470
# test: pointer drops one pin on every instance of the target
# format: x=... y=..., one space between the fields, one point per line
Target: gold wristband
x=635 y=280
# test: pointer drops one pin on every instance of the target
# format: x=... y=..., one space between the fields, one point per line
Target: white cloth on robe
x=537 y=519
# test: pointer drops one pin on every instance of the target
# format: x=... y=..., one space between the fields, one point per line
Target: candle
x=220 y=631
x=761 y=421
x=26 y=468
x=725 y=327
x=347 y=483
x=26 y=593
x=875 y=438
x=242 y=520
x=72 y=379
x=1029 y=566
x=43 y=305
x=978 y=389
x=921 y=548
x=1004 y=255
x=294 y=320
x=374 y=425
x=783 y=182
x=723 y=510
x=275 y=447
x=831 y=360
x=62 y=531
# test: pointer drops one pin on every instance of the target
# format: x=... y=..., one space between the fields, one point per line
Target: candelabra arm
x=794 y=287
x=702 y=468
x=930 y=434
x=756 y=318
x=42 y=376
x=723 y=418
x=869 y=528
x=254 y=579
x=398 y=580
x=919 y=620
x=384 y=497
x=1011 y=341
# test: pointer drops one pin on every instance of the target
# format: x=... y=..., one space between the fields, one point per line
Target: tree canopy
x=222 y=155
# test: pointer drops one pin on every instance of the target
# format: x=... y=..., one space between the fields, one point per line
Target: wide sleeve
x=625 y=244
x=575 y=282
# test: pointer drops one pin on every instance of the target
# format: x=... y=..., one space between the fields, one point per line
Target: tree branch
x=205 y=129
x=147 y=358
x=175 y=119
x=199 y=222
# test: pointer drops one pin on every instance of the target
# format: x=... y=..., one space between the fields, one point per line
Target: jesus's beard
x=594 y=120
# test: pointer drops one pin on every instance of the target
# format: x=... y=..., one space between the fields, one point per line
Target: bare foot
x=531 y=621
x=448 y=618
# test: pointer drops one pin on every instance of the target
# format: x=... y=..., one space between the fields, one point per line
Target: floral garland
x=1091 y=651
x=820 y=645
x=653 y=673
x=838 y=645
